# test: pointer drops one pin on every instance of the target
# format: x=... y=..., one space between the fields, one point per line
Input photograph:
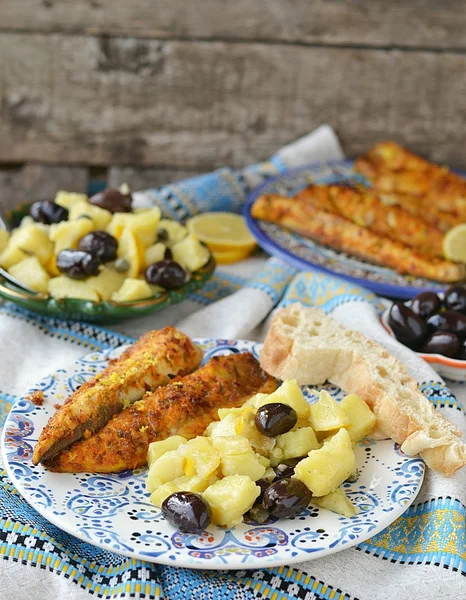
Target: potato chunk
x=64 y=287
x=156 y=449
x=327 y=468
x=176 y=231
x=68 y=233
x=11 y=256
x=227 y=426
x=167 y=467
x=106 y=283
x=238 y=458
x=30 y=272
x=154 y=253
x=361 y=418
x=100 y=217
x=190 y=253
x=142 y=224
x=229 y=498
x=4 y=237
x=288 y=393
x=201 y=458
x=297 y=443
x=327 y=414
x=132 y=290
x=131 y=250
x=337 y=502
x=67 y=199
x=181 y=484
x=32 y=239
x=245 y=426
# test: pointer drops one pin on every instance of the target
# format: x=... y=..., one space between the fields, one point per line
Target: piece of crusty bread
x=306 y=345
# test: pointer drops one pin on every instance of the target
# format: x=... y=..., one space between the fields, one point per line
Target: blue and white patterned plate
x=114 y=512
x=305 y=254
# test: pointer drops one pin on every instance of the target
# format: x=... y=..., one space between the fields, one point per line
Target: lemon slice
x=231 y=256
x=454 y=244
x=222 y=232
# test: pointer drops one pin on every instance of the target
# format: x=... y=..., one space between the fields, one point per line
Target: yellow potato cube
x=200 y=457
x=4 y=237
x=176 y=231
x=11 y=256
x=154 y=253
x=131 y=250
x=156 y=449
x=100 y=217
x=32 y=239
x=269 y=474
x=131 y=290
x=300 y=442
x=337 y=502
x=224 y=412
x=288 y=393
x=30 y=272
x=167 y=467
x=68 y=233
x=142 y=224
x=67 y=199
x=245 y=426
x=190 y=253
x=237 y=457
x=327 y=414
x=225 y=427
x=361 y=418
x=181 y=484
x=229 y=498
x=64 y=287
x=325 y=469
x=106 y=283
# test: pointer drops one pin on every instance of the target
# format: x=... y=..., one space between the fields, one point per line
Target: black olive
x=462 y=352
x=449 y=320
x=275 y=418
x=112 y=200
x=442 y=342
x=286 y=468
x=455 y=298
x=286 y=497
x=407 y=327
x=425 y=304
x=46 y=211
x=166 y=273
x=77 y=264
x=187 y=511
x=100 y=244
x=263 y=484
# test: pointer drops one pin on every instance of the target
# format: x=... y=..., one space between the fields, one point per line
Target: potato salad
x=100 y=248
x=271 y=457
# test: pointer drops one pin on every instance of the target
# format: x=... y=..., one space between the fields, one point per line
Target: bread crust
x=306 y=345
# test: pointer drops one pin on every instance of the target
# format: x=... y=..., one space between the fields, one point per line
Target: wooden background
x=149 y=91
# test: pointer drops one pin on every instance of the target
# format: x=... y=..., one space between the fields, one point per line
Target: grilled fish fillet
x=184 y=407
x=364 y=208
x=399 y=175
x=337 y=232
x=152 y=361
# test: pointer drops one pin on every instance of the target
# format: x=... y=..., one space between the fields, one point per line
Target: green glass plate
x=103 y=312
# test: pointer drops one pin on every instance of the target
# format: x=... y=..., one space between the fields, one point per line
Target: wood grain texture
x=145 y=178
x=199 y=105
x=426 y=23
x=39 y=182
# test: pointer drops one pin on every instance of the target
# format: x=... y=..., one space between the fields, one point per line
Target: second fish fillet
x=153 y=361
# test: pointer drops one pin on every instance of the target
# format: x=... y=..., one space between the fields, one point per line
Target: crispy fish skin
x=339 y=233
x=184 y=407
x=152 y=361
x=365 y=209
x=395 y=171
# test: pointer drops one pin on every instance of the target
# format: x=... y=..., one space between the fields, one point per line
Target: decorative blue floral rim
x=113 y=511
x=307 y=255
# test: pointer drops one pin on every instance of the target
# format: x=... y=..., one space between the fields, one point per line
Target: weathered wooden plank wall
x=154 y=91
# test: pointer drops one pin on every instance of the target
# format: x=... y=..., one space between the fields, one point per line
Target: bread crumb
x=37 y=397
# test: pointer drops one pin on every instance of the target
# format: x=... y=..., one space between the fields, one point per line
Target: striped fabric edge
x=414 y=537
